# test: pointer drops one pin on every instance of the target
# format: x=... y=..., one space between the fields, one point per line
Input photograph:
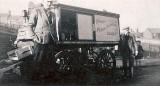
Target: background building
x=8 y=31
x=150 y=40
x=152 y=33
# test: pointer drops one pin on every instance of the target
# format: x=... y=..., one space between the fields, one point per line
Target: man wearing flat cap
x=128 y=52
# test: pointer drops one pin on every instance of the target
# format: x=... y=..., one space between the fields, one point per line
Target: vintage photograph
x=79 y=42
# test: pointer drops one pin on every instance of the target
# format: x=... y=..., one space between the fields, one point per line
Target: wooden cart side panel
x=78 y=10
x=87 y=11
x=85 y=32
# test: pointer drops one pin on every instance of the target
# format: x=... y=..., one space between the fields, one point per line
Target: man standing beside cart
x=128 y=52
x=40 y=24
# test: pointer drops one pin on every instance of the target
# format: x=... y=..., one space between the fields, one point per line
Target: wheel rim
x=93 y=56
x=106 y=60
x=64 y=62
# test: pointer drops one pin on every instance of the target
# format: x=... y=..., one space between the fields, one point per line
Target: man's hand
x=15 y=42
x=58 y=61
x=136 y=53
x=35 y=38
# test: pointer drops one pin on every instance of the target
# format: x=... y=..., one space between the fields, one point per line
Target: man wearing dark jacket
x=129 y=51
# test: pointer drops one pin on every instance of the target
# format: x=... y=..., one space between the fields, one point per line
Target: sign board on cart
x=107 y=28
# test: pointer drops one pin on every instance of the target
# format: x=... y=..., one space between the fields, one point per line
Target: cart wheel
x=63 y=60
x=93 y=56
x=106 y=60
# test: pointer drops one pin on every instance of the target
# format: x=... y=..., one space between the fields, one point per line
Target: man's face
x=138 y=43
x=47 y=4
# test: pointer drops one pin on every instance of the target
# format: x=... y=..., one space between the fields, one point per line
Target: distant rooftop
x=13 y=20
x=154 y=30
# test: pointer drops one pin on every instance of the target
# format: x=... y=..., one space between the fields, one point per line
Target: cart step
x=7 y=68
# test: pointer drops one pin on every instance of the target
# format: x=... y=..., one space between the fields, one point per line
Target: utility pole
x=0 y=20
x=137 y=30
x=150 y=50
x=9 y=18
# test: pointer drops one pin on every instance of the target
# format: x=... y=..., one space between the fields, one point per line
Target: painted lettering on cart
x=103 y=26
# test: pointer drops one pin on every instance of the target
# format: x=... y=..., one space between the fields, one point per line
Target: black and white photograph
x=79 y=42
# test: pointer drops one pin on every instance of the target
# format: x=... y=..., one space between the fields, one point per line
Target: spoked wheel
x=92 y=56
x=63 y=60
x=67 y=61
x=106 y=60
x=68 y=67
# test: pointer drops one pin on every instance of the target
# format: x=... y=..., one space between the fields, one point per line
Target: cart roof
x=87 y=11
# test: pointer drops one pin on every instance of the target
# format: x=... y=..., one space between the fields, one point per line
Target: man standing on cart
x=129 y=51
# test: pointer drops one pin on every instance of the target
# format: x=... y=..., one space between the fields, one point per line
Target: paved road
x=145 y=76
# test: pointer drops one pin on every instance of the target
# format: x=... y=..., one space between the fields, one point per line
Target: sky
x=138 y=14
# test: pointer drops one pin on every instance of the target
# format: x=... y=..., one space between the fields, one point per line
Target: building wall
x=12 y=21
x=156 y=36
x=151 y=44
x=151 y=50
x=147 y=34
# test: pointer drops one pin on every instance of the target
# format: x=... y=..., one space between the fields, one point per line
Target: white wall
x=147 y=35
